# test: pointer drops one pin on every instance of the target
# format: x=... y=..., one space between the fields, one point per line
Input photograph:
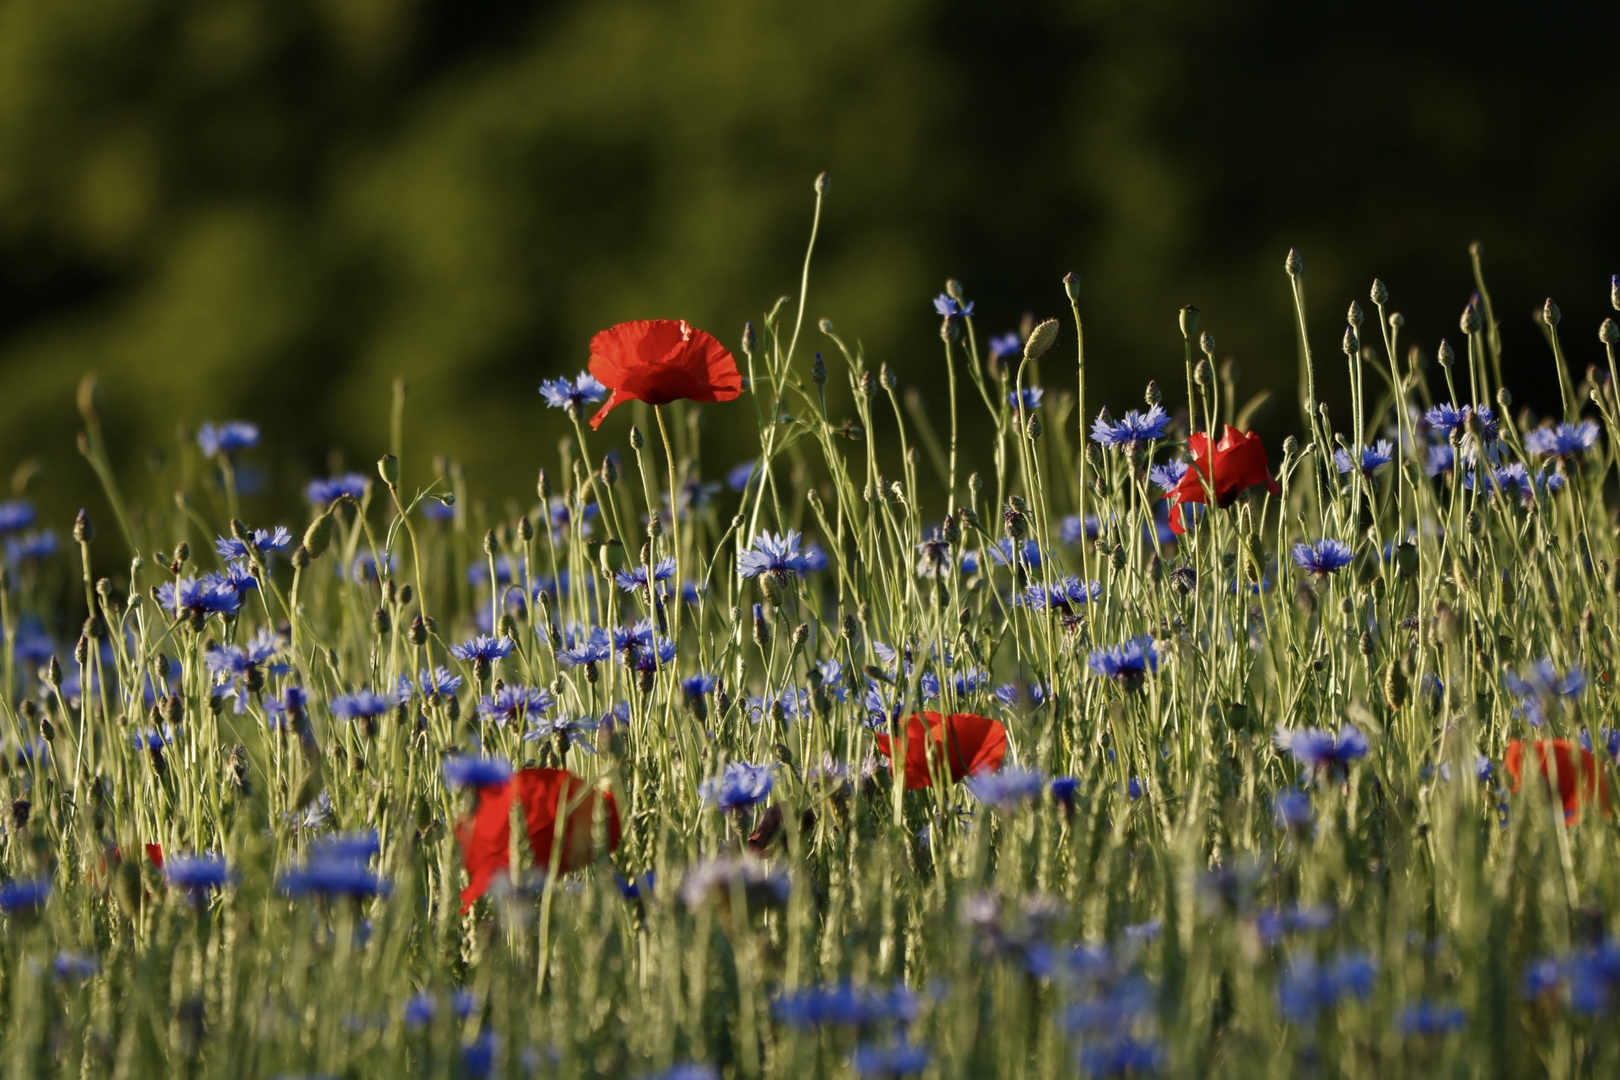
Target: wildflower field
x=1117 y=744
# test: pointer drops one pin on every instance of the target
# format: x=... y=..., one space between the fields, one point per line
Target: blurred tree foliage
x=269 y=208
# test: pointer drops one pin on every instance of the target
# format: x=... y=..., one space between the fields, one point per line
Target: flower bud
x=818 y=371
x=1397 y=320
x=1189 y=322
x=823 y=183
x=1071 y=288
x=525 y=529
x=868 y=385
x=1203 y=373
x=388 y=469
x=610 y=471
x=887 y=377
x=182 y=553
x=655 y=526
x=750 y=340
x=1153 y=395
x=417 y=635
x=380 y=622
x=1444 y=356
x=1469 y=321
x=1550 y=313
x=1379 y=294
x=1351 y=346
x=1609 y=332
x=83 y=531
x=1206 y=344
x=1042 y=338
x=826 y=326
x=1294 y=263
x=300 y=557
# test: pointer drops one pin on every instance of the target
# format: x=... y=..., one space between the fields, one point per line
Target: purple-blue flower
x=196 y=873
x=467 y=771
x=16 y=514
x=1323 y=557
x=773 y=554
x=1007 y=787
x=1031 y=398
x=1002 y=346
x=740 y=784
x=323 y=492
x=1127 y=663
x=1166 y=477
x=1564 y=441
x=574 y=396
x=1132 y=428
x=24 y=894
x=512 y=703
x=947 y=308
x=227 y=438
x=1371 y=458
x=263 y=541
x=362 y=705
x=1321 y=750
x=483 y=648
x=635 y=577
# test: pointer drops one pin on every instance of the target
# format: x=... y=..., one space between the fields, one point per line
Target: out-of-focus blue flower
x=1002 y=346
x=963 y=682
x=16 y=514
x=333 y=878
x=1563 y=441
x=582 y=391
x=739 y=475
x=263 y=541
x=364 y=567
x=1310 y=987
x=1321 y=750
x=467 y=771
x=362 y=705
x=793 y=701
x=690 y=1070
x=845 y=1005
x=1441 y=458
x=632 y=578
x=947 y=307
x=1372 y=458
x=1430 y=1019
x=1273 y=924
x=1323 y=557
x=739 y=785
x=1074 y=529
x=513 y=703
x=478 y=1056
x=1292 y=810
x=569 y=730
x=196 y=873
x=24 y=894
x=1004 y=553
x=770 y=553
x=934 y=558
x=228 y=438
x=30 y=547
x=1031 y=398
x=483 y=647
x=438 y=680
x=420 y=1010
x=1133 y=788
x=1167 y=476
x=698 y=685
x=1120 y=1055
x=1127 y=663
x=900 y=1058
x=324 y=492
x=234 y=665
x=1064 y=789
x=355 y=846
x=153 y=740
x=1134 y=427
x=76 y=967
x=1063 y=594
x=1008 y=787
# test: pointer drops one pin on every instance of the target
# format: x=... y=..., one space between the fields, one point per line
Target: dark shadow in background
x=269 y=209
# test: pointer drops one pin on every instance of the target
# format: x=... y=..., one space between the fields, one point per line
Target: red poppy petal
x=1513 y=762
x=485 y=837
x=154 y=855
x=547 y=794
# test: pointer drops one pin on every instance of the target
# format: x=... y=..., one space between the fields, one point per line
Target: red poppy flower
x=967 y=743
x=1578 y=779
x=1240 y=462
x=659 y=361
x=545 y=795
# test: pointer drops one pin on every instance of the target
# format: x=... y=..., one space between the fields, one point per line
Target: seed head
x=818 y=371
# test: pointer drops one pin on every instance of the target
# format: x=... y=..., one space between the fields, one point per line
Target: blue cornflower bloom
x=235 y=578
x=1372 y=457
x=16 y=514
x=263 y=541
x=1064 y=789
x=332 y=878
x=1564 y=441
x=1539 y=685
x=1430 y=1019
x=324 y=492
x=1310 y=987
x=738 y=477
x=690 y=1070
x=1321 y=750
x=1292 y=810
x=1063 y=594
x=883 y=1060
x=420 y=1009
x=439 y=680
x=1074 y=529
x=738 y=785
x=227 y=438
x=580 y=647
x=1128 y=663
x=1120 y=1055
x=1273 y=924
x=1593 y=975
x=881 y=713
x=153 y=739
x=1002 y=346
x=1167 y=476
x=947 y=307
x=1323 y=557
x=242 y=667
x=1004 y=553
x=640 y=647
x=355 y=846
x=635 y=577
x=573 y=396
x=845 y=1005
x=1132 y=428
x=1441 y=458
x=698 y=685
x=570 y=731
x=24 y=894
x=1445 y=418
x=76 y=967
x=963 y=682
x=30 y=546
x=773 y=554
x=512 y=703
x=1007 y=695
x=196 y=873
x=362 y=705
x=1031 y=398
x=1007 y=787
x=793 y=702
x=468 y=771
x=483 y=648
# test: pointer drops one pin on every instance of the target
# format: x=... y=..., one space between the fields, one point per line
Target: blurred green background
x=267 y=209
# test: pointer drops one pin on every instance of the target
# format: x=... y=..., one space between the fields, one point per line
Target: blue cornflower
x=1323 y=557
x=1441 y=458
x=1132 y=428
x=364 y=567
x=324 y=492
x=235 y=578
x=355 y=846
x=467 y=771
x=1594 y=978
x=1372 y=457
x=263 y=541
x=227 y=438
x=1564 y=441
x=570 y=731
x=562 y=517
x=640 y=647
x=698 y=685
x=881 y=714
x=934 y=557
x=1167 y=476
x=1430 y=1019
x=362 y=705
x=76 y=967
x=333 y=878
x=1128 y=663
x=30 y=546
x=1004 y=553
x=1074 y=529
x=420 y=1009
x=1539 y=685
x=1310 y=987
x=196 y=873
x=1273 y=924
x=580 y=647
x=1064 y=789
x=153 y=740
x=1063 y=594
x=436 y=508
x=1445 y=418
x=1120 y=1055
x=439 y=680
x=947 y=308
x=738 y=477
x=1292 y=810
x=690 y=1070
x=635 y=577
x=1002 y=346
x=1323 y=751
x=1008 y=787
x=16 y=514
x=483 y=648
x=845 y=1005
x=512 y=703
x=773 y=554
x=1031 y=398
x=242 y=667
x=573 y=396
x=963 y=682
x=793 y=702
x=900 y=1058
x=738 y=785
x=24 y=894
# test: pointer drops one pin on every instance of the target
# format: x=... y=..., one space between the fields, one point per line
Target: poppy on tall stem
x=1239 y=462
x=1579 y=778
x=962 y=744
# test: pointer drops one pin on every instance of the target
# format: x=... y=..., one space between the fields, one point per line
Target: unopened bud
x=83 y=531
x=1294 y=263
x=1042 y=338
x=1153 y=395
x=1206 y=344
x=1379 y=293
x=818 y=371
x=1609 y=332
x=1203 y=372
x=1071 y=288
x=610 y=471
x=388 y=469
x=1352 y=345
x=318 y=535
x=750 y=340
x=525 y=529
x=1444 y=356
x=1189 y=322
x=1550 y=313
x=1469 y=321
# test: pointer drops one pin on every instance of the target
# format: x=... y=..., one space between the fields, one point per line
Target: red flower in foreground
x=1579 y=779
x=545 y=796
x=659 y=361
x=965 y=743
x=1240 y=462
